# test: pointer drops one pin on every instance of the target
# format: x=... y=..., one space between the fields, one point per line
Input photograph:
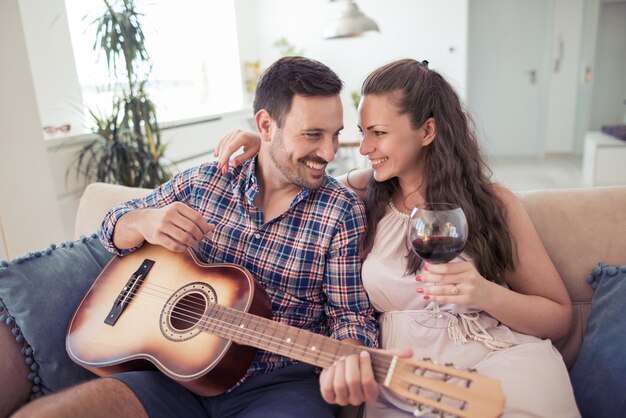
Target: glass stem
x=436 y=311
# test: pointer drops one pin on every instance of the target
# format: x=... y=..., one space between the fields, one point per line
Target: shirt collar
x=249 y=185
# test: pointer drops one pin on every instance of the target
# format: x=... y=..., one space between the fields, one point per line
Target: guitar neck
x=309 y=347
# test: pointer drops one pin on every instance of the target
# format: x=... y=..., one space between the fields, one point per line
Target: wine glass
x=437 y=233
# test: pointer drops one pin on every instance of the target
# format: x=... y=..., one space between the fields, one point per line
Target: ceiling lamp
x=351 y=22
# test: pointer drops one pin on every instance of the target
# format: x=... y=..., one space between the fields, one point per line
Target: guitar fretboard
x=292 y=342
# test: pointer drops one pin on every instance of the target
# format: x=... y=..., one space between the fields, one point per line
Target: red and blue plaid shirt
x=307 y=258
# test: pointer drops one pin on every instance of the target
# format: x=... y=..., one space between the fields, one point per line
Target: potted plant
x=128 y=149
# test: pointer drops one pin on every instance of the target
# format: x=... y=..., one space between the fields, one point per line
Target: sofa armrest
x=96 y=201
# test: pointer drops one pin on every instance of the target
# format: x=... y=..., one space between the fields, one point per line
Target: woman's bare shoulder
x=514 y=210
x=506 y=196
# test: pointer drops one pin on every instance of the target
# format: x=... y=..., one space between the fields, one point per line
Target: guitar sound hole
x=188 y=311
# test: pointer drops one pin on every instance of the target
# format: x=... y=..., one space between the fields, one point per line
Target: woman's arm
x=231 y=143
x=357 y=180
x=538 y=302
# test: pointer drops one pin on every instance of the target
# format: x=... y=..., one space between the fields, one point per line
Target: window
x=193 y=48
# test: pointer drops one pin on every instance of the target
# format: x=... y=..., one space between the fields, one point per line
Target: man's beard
x=295 y=174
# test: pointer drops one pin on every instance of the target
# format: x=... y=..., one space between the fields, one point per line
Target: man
x=294 y=228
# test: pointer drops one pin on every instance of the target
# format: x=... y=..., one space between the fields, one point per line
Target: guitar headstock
x=445 y=389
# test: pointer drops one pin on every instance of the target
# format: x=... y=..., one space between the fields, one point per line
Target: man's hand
x=350 y=380
x=175 y=227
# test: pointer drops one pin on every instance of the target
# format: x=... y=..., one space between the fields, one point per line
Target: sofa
x=583 y=230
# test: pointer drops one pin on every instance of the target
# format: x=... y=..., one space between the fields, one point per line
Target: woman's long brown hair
x=455 y=170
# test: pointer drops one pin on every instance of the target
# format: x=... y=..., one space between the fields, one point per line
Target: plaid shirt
x=307 y=258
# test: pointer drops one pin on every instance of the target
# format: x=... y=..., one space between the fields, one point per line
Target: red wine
x=438 y=249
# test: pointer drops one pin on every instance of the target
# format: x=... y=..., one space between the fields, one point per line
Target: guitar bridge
x=126 y=294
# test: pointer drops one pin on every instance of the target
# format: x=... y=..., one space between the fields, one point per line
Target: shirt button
x=257 y=236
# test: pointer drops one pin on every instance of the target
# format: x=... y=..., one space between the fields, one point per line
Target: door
x=508 y=47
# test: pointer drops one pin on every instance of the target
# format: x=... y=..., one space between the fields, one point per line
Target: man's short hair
x=290 y=76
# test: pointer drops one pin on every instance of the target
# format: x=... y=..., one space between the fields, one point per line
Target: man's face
x=308 y=139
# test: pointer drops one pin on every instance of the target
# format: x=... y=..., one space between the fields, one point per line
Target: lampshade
x=351 y=22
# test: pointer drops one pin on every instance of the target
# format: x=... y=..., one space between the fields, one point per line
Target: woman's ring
x=455 y=290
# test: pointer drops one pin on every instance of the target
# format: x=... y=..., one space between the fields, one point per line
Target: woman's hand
x=458 y=283
x=231 y=143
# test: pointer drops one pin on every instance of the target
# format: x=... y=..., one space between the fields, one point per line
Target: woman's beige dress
x=531 y=371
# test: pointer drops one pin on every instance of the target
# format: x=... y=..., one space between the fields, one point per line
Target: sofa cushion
x=601 y=364
x=39 y=293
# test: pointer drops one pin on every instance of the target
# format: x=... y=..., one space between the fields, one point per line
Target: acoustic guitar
x=201 y=325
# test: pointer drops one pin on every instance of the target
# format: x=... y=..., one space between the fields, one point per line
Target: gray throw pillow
x=39 y=293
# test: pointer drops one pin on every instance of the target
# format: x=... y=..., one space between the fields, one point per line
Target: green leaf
x=129 y=150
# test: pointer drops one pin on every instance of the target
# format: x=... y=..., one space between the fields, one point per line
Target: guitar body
x=160 y=325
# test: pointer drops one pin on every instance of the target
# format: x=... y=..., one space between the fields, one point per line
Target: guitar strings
x=401 y=375
x=189 y=316
x=231 y=312
x=233 y=318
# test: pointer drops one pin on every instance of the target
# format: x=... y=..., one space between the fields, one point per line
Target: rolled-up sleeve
x=349 y=311
x=178 y=189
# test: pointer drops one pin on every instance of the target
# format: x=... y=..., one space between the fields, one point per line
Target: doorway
x=507 y=76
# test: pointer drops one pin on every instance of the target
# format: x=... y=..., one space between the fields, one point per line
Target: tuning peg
x=422 y=410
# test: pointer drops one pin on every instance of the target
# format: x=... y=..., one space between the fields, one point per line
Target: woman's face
x=388 y=140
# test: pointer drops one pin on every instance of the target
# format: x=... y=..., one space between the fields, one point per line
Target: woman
x=504 y=293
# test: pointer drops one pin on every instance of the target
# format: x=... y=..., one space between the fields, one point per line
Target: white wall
x=609 y=83
x=247 y=30
x=435 y=30
x=51 y=56
x=28 y=206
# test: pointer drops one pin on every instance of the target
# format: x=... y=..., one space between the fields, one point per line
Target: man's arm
x=348 y=309
x=175 y=227
x=162 y=217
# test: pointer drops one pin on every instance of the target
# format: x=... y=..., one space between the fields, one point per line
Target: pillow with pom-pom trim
x=39 y=293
